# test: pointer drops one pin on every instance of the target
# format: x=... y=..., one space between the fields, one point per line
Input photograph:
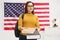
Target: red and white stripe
x=40 y=9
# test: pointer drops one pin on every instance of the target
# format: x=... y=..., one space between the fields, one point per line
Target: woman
x=29 y=21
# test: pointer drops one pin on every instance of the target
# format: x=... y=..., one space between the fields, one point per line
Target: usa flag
x=13 y=10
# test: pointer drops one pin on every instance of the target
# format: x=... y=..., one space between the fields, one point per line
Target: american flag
x=13 y=10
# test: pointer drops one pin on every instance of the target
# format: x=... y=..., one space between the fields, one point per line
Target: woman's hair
x=26 y=11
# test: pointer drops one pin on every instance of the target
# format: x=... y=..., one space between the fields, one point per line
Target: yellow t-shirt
x=29 y=20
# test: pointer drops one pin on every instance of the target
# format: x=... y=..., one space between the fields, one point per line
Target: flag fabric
x=13 y=10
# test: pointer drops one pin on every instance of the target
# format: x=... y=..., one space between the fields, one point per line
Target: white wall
x=54 y=13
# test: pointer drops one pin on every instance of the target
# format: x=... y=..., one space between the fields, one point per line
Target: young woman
x=29 y=21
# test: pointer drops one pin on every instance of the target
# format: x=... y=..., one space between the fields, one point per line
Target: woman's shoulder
x=20 y=15
x=36 y=16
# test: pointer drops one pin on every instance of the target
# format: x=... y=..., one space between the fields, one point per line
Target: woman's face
x=30 y=7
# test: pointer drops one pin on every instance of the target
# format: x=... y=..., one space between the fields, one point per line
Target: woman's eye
x=30 y=6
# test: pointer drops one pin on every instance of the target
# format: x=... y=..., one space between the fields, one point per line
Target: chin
x=30 y=10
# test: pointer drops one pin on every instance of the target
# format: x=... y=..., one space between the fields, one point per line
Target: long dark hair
x=26 y=11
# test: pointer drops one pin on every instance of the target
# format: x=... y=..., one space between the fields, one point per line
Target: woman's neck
x=29 y=12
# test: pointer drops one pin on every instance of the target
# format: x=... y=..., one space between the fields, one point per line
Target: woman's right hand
x=22 y=28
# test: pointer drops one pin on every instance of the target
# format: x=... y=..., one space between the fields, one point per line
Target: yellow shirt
x=29 y=20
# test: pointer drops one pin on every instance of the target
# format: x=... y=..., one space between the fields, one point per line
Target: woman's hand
x=28 y=30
